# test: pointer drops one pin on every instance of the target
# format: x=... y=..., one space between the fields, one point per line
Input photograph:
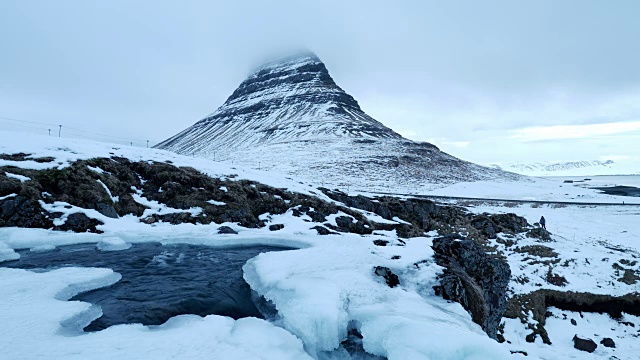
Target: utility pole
x=49 y=132
x=131 y=143
x=59 y=130
x=147 y=143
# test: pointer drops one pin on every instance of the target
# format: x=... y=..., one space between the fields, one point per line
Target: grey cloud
x=450 y=70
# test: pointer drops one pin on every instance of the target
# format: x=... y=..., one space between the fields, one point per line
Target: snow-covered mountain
x=572 y=168
x=290 y=116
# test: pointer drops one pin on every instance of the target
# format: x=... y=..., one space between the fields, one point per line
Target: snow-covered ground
x=321 y=289
x=542 y=189
x=594 y=246
x=576 y=168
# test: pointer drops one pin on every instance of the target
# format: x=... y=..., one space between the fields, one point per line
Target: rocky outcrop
x=424 y=215
x=538 y=301
x=112 y=186
x=475 y=280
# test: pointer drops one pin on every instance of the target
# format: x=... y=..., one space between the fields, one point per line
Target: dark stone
x=395 y=257
x=380 y=242
x=587 y=345
x=540 y=233
x=349 y=224
x=391 y=278
x=226 y=230
x=276 y=227
x=323 y=230
x=475 y=280
x=574 y=322
x=608 y=342
x=79 y=222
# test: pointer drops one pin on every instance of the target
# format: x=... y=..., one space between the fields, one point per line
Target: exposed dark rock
x=537 y=250
x=226 y=230
x=323 y=230
x=21 y=211
x=348 y=224
x=473 y=279
x=490 y=225
x=608 y=342
x=540 y=233
x=587 y=345
x=425 y=215
x=380 y=242
x=395 y=257
x=276 y=227
x=555 y=279
x=538 y=301
x=79 y=222
x=574 y=322
x=391 y=278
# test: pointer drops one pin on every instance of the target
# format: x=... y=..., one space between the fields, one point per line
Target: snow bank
x=112 y=244
x=7 y=253
x=36 y=318
x=320 y=290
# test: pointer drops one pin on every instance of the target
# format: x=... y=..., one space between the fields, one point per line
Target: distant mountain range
x=290 y=116
x=571 y=168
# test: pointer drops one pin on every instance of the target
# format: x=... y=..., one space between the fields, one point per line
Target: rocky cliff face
x=290 y=115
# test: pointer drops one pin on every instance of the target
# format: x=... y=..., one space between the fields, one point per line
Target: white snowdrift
x=41 y=324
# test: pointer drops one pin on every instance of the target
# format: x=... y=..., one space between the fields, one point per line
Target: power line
x=12 y=124
x=67 y=128
x=26 y=121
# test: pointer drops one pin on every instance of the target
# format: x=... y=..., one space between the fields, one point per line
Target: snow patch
x=22 y=178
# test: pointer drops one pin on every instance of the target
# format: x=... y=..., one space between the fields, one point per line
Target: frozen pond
x=158 y=281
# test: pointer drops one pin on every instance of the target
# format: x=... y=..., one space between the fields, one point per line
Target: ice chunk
x=112 y=244
x=7 y=253
x=42 y=248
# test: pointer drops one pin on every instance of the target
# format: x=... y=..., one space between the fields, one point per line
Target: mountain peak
x=290 y=59
x=290 y=114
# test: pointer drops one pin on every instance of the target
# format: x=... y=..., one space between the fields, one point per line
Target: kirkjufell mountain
x=290 y=116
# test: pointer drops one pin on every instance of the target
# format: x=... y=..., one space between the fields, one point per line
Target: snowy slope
x=290 y=116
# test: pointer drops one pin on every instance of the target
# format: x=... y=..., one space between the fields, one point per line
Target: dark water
x=159 y=281
x=619 y=190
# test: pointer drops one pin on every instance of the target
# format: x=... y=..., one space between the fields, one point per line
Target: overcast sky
x=487 y=81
